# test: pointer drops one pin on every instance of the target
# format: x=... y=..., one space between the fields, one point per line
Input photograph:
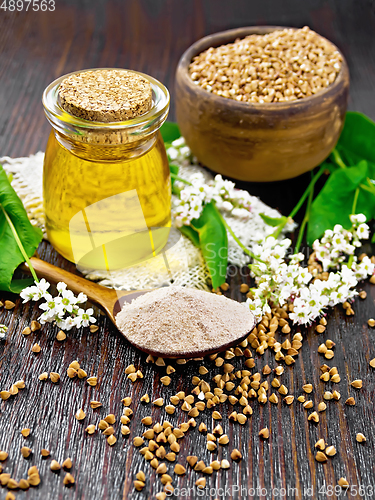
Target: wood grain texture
x=150 y=36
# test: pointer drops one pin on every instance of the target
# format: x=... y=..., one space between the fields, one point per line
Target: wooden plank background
x=150 y=36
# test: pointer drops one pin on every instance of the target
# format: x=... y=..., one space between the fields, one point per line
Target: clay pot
x=257 y=142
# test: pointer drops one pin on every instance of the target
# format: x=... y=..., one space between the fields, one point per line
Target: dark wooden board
x=150 y=36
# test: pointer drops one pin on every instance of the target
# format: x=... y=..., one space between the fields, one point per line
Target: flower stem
x=19 y=243
x=296 y=209
x=180 y=179
x=241 y=245
x=310 y=187
x=354 y=208
x=305 y=220
x=337 y=158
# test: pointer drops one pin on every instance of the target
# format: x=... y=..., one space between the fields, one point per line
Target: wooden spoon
x=112 y=301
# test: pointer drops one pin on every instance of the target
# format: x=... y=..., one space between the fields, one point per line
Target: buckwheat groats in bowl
x=284 y=65
x=262 y=103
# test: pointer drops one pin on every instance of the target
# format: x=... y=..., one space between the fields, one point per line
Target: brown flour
x=177 y=320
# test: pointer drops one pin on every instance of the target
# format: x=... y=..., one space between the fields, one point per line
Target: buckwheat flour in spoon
x=178 y=321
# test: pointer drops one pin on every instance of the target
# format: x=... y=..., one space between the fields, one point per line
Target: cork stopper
x=106 y=95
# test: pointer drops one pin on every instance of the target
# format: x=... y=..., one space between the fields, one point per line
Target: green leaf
x=333 y=204
x=174 y=170
x=352 y=164
x=170 y=132
x=30 y=236
x=17 y=285
x=190 y=233
x=357 y=139
x=213 y=242
x=273 y=221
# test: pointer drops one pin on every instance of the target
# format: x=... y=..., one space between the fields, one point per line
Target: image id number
x=353 y=490
x=35 y=5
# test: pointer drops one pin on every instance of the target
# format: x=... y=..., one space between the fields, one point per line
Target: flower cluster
x=179 y=152
x=194 y=196
x=281 y=280
x=63 y=309
x=229 y=198
x=192 y=199
x=336 y=244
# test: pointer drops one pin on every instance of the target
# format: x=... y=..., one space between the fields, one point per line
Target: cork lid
x=106 y=95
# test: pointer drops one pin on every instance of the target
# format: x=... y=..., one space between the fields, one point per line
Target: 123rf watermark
x=287 y=493
x=27 y=5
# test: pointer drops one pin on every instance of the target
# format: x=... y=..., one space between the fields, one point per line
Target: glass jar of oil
x=107 y=191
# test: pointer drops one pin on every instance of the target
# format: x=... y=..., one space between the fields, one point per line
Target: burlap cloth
x=185 y=262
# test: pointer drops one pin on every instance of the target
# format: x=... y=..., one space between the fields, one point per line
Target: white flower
x=61 y=287
x=68 y=300
x=347 y=276
x=42 y=287
x=81 y=298
x=363 y=269
x=357 y=218
x=185 y=151
x=66 y=324
x=52 y=307
x=84 y=318
x=172 y=153
x=258 y=307
x=303 y=276
x=300 y=315
x=35 y=292
x=178 y=142
x=29 y=293
x=46 y=317
x=296 y=258
x=227 y=205
x=363 y=231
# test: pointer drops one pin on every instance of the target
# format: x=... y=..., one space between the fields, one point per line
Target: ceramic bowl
x=262 y=141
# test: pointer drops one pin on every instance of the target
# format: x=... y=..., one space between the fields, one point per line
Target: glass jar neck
x=107 y=152
x=112 y=141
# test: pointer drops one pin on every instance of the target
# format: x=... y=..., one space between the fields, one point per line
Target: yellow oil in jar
x=107 y=214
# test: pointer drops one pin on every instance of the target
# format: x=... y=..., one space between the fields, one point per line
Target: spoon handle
x=95 y=293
